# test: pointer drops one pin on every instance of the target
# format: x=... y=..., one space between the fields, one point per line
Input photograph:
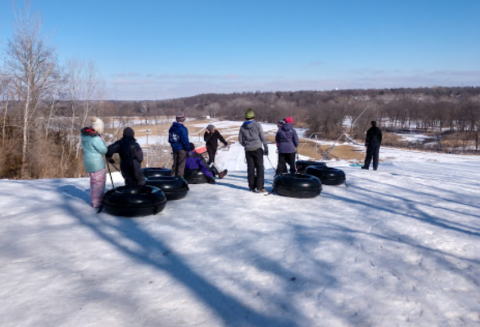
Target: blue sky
x=149 y=49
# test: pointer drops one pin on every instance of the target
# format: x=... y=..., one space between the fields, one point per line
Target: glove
x=211 y=180
x=111 y=161
x=266 y=152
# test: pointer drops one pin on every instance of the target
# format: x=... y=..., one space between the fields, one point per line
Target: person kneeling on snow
x=131 y=157
x=196 y=161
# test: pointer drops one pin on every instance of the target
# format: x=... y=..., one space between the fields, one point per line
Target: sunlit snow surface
x=398 y=247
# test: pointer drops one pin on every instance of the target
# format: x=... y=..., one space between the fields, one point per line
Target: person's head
x=180 y=117
x=374 y=123
x=128 y=132
x=249 y=114
x=289 y=120
x=211 y=128
x=98 y=125
x=192 y=147
x=280 y=123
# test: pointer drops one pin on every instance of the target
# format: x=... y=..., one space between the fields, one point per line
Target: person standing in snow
x=211 y=138
x=196 y=161
x=131 y=157
x=94 y=148
x=251 y=137
x=287 y=141
x=178 y=138
x=372 y=142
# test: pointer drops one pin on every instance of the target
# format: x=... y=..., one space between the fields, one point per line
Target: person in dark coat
x=131 y=157
x=211 y=137
x=372 y=142
x=287 y=141
x=197 y=161
x=178 y=138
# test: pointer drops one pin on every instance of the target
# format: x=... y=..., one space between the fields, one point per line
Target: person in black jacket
x=211 y=137
x=372 y=142
x=131 y=157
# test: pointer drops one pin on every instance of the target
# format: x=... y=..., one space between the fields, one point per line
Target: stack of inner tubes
x=195 y=176
x=328 y=176
x=134 y=201
x=173 y=187
x=297 y=185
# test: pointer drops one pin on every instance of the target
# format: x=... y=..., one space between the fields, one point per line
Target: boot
x=222 y=174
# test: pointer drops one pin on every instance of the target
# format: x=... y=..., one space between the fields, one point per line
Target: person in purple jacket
x=287 y=141
x=196 y=161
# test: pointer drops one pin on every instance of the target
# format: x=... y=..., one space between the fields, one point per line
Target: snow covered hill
x=398 y=247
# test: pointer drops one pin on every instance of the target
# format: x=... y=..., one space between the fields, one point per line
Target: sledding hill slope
x=398 y=247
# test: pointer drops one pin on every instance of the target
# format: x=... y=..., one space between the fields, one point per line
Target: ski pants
x=179 y=161
x=97 y=187
x=373 y=151
x=255 y=169
x=211 y=154
x=283 y=160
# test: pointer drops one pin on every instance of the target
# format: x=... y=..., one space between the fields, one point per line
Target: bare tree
x=31 y=62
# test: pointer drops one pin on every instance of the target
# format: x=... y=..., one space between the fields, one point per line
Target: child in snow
x=287 y=141
x=131 y=157
x=94 y=148
x=251 y=137
x=196 y=161
x=178 y=138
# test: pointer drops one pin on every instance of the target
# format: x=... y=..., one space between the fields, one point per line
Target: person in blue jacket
x=178 y=138
x=94 y=148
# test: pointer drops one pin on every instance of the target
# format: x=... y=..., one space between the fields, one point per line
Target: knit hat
x=289 y=120
x=209 y=127
x=128 y=132
x=249 y=114
x=192 y=146
x=98 y=125
x=281 y=122
x=180 y=117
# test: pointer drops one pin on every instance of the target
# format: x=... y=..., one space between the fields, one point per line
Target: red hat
x=289 y=120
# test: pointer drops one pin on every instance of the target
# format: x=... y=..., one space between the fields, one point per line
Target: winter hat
x=281 y=122
x=249 y=114
x=128 y=132
x=98 y=125
x=192 y=146
x=374 y=123
x=289 y=120
x=209 y=127
x=180 y=117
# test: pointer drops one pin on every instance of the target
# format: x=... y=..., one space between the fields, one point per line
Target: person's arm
x=207 y=136
x=112 y=149
x=263 y=139
x=138 y=152
x=184 y=139
x=295 y=138
x=204 y=168
x=240 y=137
x=220 y=137
x=99 y=145
x=380 y=135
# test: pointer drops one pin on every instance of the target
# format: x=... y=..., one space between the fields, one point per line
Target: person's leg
x=258 y=162
x=211 y=154
x=368 y=157
x=251 y=170
x=139 y=177
x=175 y=164
x=281 y=167
x=291 y=162
x=97 y=187
x=376 y=153
x=182 y=160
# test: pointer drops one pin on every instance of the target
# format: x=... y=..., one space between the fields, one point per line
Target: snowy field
x=398 y=247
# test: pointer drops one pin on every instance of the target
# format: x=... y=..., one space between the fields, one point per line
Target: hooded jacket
x=178 y=137
x=251 y=136
x=374 y=136
x=286 y=139
x=93 y=150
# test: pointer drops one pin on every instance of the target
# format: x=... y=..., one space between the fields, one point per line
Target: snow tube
x=301 y=165
x=133 y=201
x=297 y=185
x=173 y=187
x=328 y=176
x=195 y=176
x=156 y=172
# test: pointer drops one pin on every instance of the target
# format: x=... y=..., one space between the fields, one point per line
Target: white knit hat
x=98 y=125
